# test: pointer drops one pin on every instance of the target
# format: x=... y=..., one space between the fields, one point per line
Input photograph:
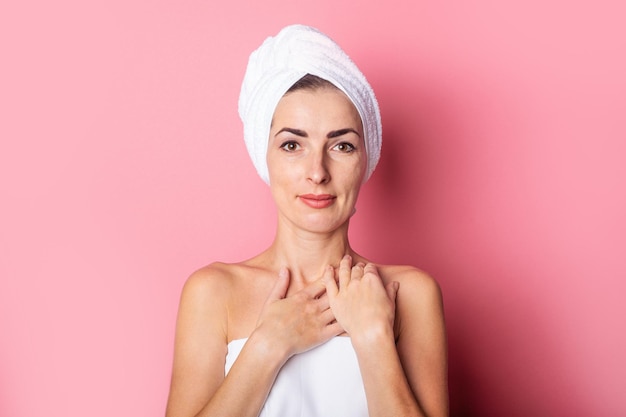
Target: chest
x=246 y=301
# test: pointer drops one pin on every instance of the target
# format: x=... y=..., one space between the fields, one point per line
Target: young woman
x=309 y=327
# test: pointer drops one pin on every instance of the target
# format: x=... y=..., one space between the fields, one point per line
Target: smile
x=317 y=201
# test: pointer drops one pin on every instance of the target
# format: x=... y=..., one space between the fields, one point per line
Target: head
x=316 y=155
x=301 y=58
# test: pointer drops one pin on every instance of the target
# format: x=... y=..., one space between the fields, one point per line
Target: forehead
x=322 y=106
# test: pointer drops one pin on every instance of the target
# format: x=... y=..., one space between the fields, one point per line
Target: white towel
x=282 y=60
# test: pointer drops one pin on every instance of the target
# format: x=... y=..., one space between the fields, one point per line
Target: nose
x=318 y=169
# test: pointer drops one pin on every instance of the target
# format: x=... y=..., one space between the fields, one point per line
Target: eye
x=346 y=147
x=290 y=146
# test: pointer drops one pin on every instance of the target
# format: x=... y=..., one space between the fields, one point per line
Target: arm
x=403 y=376
x=421 y=342
x=286 y=326
x=200 y=343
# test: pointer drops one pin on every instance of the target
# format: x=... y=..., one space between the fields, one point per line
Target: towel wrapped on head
x=282 y=60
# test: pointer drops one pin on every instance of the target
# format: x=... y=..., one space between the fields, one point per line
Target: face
x=316 y=158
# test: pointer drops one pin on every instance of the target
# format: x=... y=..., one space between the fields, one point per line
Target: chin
x=324 y=225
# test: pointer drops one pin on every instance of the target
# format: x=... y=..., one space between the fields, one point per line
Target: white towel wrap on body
x=282 y=60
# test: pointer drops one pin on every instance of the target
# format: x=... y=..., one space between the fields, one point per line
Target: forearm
x=386 y=386
x=245 y=388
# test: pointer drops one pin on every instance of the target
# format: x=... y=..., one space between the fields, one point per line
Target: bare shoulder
x=212 y=276
x=204 y=301
x=210 y=283
x=229 y=295
x=215 y=284
x=201 y=337
x=421 y=335
x=216 y=279
x=413 y=281
x=419 y=301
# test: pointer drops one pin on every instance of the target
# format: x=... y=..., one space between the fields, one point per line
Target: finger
x=327 y=316
x=280 y=286
x=333 y=329
x=370 y=269
x=357 y=271
x=329 y=282
x=392 y=290
x=323 y=301
x=345 y=268
x=316 y=288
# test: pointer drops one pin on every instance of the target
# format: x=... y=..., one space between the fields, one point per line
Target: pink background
x=123 y=169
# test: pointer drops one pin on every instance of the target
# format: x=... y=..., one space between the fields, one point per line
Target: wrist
x=371 y=336
x=268 y=349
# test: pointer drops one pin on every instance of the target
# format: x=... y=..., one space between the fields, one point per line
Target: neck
x=307 y=254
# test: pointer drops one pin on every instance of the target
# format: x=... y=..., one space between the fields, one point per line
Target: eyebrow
x=341 y=132
x=332 y=134
x=296 y=132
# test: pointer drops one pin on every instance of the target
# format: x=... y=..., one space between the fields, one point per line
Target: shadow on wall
x=417 y=209
x=400 y=208
x=397 y=220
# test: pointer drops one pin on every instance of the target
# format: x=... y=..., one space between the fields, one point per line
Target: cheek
x=283 y=179
x=275 y=169
x=352 y=182
x=282 y=174
x=359 y=171
x=360 y=166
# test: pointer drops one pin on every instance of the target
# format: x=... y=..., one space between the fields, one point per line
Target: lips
x=317 y=201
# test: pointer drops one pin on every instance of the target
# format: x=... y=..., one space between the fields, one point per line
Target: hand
x=299 y=322
x=361 y=303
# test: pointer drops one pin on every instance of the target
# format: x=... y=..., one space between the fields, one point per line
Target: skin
x=310 y=286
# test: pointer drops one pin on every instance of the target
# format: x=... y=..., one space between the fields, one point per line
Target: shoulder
x=419 y=302
x=206 y=300
x=204 y=297
x=211 y=280
x=210 y=289
x=215 y=278
x=413 y=281
x=229 y=296
x=421 y=340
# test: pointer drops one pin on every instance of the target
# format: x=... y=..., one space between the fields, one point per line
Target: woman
x=309 y=327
